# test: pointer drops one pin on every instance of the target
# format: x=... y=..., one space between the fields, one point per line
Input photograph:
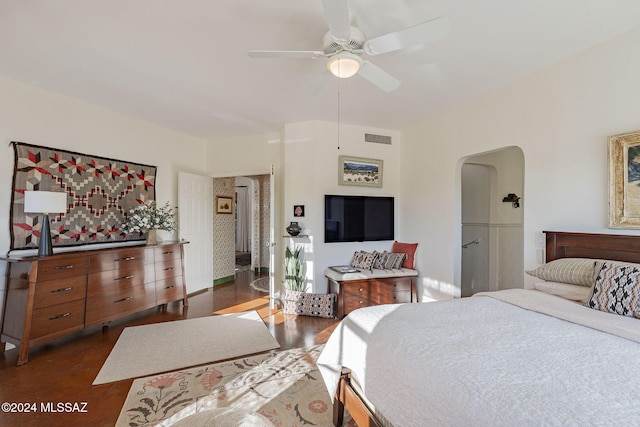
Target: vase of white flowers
x=149 y=217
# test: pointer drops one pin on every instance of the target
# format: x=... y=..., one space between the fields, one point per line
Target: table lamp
x=45 y=202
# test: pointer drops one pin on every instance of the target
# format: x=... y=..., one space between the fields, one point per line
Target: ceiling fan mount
x=345 y=44
x=353 y=45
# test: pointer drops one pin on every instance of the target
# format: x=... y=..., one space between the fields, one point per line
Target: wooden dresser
x=47 y=298
x=354 y=294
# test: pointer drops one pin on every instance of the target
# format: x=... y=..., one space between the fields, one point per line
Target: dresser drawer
x=120 y=258
x=351 y=303
x=168 y=268
x=58 y=268
x=165 y=252
x=58 y=291
x=169 y=290
x=389 y=296
x=124 y=277
x=396 y=284
x=358 y=289
x=57 y=318
x=108 y=306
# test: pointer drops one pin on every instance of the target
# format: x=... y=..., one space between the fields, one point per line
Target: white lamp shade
x=344 y=65
x=45 y=202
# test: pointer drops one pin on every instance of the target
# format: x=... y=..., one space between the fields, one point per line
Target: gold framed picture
x=224 y=205
x=624 y=180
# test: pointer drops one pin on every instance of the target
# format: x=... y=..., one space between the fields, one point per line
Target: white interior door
x=272 y=238
x=195 y=216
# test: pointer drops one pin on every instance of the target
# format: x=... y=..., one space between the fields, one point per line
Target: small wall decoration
x=100 y=193
x=298 y=210
x=624 y=180
x=224 y=205
x=360 y=171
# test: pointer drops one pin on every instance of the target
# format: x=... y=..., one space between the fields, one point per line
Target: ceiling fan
x=345 y=44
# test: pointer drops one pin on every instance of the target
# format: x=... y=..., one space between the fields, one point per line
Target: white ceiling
x=183 y=64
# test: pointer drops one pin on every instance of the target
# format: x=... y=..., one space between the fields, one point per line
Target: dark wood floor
x=64 y=370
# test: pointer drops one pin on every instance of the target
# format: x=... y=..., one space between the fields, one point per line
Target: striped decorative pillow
x=576 y=271
x=394 y=261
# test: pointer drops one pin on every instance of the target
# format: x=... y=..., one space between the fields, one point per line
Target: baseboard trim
x=224 y=280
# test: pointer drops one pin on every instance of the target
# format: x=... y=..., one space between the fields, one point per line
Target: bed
x=513 y=357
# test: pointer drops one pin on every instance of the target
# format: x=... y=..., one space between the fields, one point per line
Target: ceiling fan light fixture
x=344 y=65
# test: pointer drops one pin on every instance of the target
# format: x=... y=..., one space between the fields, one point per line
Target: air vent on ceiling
x=378 y=139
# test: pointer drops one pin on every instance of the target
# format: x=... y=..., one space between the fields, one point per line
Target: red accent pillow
x=407 y=248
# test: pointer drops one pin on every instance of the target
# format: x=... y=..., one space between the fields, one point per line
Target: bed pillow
x=616 y=288
x=574 y=271
x=406 y=248
x=564 y=290
x=363 y=260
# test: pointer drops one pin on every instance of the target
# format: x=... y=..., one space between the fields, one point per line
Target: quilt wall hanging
x=100 y=192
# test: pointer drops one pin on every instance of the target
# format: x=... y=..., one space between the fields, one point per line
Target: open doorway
x=244 y=205
x=492 y=228
x=256 y=207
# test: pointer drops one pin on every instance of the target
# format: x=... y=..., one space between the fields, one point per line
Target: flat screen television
x=358 y=218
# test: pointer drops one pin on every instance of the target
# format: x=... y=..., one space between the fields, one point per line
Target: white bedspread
x=483 y=362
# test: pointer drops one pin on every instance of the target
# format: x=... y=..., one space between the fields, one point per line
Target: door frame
x=272 y=217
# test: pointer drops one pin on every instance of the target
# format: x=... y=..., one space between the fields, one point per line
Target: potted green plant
x=293 y=270
x=295 y=299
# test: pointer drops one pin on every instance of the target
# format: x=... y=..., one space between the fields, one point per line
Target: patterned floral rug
x=285 y=387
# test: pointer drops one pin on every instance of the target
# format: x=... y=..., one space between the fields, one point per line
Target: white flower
x=148 y=216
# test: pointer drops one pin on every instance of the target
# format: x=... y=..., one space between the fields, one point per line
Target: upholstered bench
x=371 y=287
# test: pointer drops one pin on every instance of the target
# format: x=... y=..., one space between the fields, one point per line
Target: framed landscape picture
x=624 y=181
x=224 y=205
x=359 y=171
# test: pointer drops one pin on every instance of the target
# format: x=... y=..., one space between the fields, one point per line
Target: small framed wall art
x=298 y=210
x=224 y=205
x=624 y=180
x=359 y=171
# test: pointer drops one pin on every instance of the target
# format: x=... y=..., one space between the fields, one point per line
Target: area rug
x=162 y=347
x=261 y=284
x=285 y=387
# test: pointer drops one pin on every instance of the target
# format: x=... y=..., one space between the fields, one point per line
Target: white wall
x=311 y=171
x=306 y=167
x=35 y=116
x=560 y=117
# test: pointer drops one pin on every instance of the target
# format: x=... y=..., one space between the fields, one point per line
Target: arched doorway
x=492 y=230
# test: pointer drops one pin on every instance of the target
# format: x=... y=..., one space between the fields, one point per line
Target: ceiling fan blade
x=285 y=53
x=337 y=14
x=429 y=31
x=379 y=77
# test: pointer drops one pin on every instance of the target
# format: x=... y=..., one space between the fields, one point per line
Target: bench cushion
x=369 y=274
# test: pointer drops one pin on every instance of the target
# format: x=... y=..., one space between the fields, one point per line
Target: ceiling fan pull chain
x=339 y=83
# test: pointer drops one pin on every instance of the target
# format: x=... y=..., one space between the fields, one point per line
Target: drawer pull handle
x=167 y=253
x=129 y=258
x=123 y=278
x=169 y=287
x=361 y=290
x=62 y=289
x=64 y=267
x=168 y=268
x=123 y=299
x=60 y=316
x=361 y=302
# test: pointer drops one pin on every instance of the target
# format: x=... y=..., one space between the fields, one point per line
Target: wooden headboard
x=616 y=247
